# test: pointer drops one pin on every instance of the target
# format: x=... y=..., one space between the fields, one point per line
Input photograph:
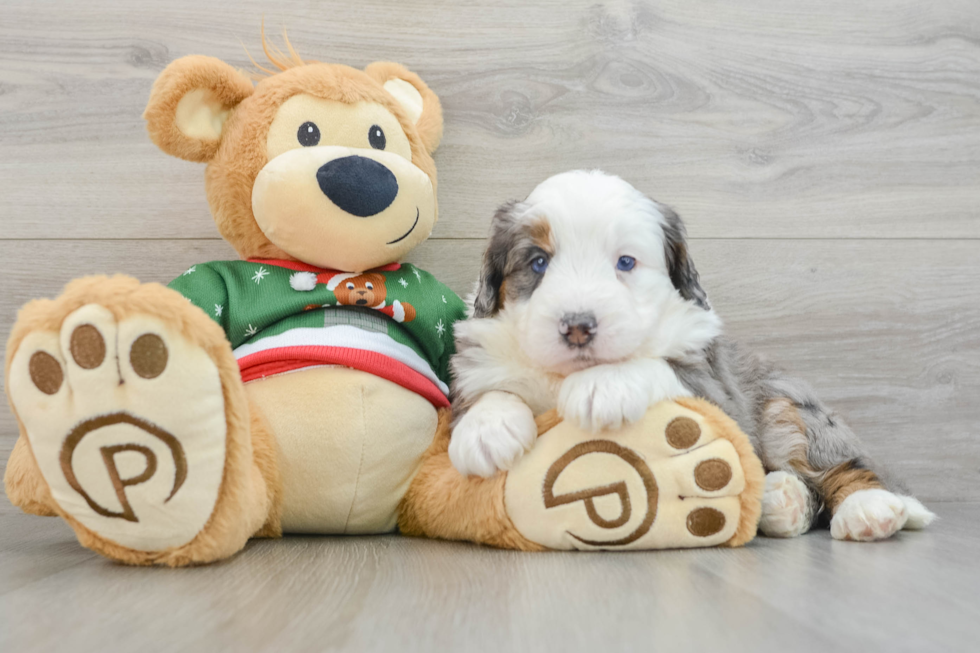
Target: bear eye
x=350 y=286
x=376 y=137
x=369 y=285
x=625 y=263
x=308 y=134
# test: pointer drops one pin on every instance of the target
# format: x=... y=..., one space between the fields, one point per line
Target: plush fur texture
x=441 y=503
x=249 y=489
x=755 y=480
x=24 y=484
x=227 y=88
x=652 y=335
x=235 y=160
x=203 y=110
x=429 y=124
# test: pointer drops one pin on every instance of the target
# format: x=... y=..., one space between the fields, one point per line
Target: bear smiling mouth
x=405 y=235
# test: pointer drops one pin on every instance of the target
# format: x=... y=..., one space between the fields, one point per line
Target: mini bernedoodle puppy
x=589 y=301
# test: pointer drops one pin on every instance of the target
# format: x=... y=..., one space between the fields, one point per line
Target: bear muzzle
x=343 y=208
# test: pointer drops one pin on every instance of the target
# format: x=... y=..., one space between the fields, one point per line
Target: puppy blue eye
x=539 y=265
x=625 y=263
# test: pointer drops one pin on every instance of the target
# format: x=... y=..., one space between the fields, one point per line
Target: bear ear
x=189 y=104
x=420 y=104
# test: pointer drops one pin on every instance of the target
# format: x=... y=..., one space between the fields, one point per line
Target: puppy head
x=589 y=270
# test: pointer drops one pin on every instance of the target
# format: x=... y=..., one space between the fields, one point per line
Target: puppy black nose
x=358 y=185
x=578 y=329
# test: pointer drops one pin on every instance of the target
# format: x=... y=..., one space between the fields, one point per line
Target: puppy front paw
x=492 y=435
x=602 y=398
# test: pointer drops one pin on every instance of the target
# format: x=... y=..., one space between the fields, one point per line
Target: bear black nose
x=358 y=185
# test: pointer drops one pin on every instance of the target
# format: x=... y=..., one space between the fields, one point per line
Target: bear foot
x=126 y=420
x=677 y=478
x=684 y=475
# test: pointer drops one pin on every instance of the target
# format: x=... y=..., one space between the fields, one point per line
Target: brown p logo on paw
x=109 y=453
x=667 y=481
x=589 y=496
x=126 y=420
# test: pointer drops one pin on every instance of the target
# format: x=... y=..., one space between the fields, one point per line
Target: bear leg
x=683 y=476
x=133 y=412
x=24 y=484
x=442 y=503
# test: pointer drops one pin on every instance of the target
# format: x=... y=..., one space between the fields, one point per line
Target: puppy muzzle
x=578 y=329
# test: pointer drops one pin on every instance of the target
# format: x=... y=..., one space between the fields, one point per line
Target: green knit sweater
x=395 y=322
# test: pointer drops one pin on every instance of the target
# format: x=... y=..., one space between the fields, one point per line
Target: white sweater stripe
x=347 y=337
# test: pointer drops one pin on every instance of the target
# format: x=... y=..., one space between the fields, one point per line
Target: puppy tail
x=919 y=515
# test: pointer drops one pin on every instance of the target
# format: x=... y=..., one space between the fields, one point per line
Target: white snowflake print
x=440 y=327
x=444 y=300
x=403 y=283
x=190 y=270
x=217 y=310
x=251 y=331
x=417 y=275
x=261 y=274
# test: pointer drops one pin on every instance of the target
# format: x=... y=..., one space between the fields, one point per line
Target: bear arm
x=206 y=288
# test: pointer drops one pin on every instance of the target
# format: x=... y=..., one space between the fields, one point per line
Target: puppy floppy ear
x=189 y=104
x=680 y=265
x=418 y=101
x=487 y=300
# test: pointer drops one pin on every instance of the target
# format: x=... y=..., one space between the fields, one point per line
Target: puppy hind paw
x=786 y=508
x=869 y=515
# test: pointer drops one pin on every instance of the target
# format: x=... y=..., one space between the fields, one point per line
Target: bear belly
x=349 y=444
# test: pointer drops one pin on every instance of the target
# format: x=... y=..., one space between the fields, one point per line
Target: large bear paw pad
x=126 y=420
x=667 y=481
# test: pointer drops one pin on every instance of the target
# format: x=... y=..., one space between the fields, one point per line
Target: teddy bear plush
x=304 y=388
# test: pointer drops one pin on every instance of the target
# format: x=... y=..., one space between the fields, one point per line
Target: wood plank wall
x=826 y=157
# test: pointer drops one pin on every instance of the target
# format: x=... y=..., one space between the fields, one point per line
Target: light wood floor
x=826 y=157
x=918 y=592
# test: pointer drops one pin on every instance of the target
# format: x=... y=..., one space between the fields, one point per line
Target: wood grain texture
x=887 y=331
x=916 y=592
x=757 y=118
x=825 y=156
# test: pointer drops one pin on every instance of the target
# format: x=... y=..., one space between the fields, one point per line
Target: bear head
x=319 y=163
